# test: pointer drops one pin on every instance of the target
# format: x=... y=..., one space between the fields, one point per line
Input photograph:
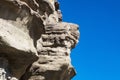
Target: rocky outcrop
x=34 y=42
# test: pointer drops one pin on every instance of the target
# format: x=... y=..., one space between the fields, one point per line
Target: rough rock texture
x=34 y=42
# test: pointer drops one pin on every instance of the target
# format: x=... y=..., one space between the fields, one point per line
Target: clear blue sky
x=97 y=56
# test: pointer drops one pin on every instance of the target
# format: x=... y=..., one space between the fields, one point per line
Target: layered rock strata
x=34 y=42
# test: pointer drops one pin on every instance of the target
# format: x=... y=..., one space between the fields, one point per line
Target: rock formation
x=34 y=42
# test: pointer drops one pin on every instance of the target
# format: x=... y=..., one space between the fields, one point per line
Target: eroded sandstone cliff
x=34 y=42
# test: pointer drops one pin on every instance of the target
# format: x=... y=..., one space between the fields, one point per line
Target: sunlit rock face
x=34 y=42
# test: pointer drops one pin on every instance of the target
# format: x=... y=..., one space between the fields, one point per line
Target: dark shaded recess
x=11 y=11
x=44 y=6
x=36 y=29
x=4 y=64
x=57 y=7
x=27 y=74
x=69 y=74
x=31 y=4
x=8 y=10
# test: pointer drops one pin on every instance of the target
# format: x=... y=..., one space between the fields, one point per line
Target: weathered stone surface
x=54 y=48
x=34 y=42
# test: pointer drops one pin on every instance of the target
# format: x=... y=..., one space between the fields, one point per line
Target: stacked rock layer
x=34 y=42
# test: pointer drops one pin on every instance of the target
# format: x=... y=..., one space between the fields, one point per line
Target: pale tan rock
x=35 y=41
